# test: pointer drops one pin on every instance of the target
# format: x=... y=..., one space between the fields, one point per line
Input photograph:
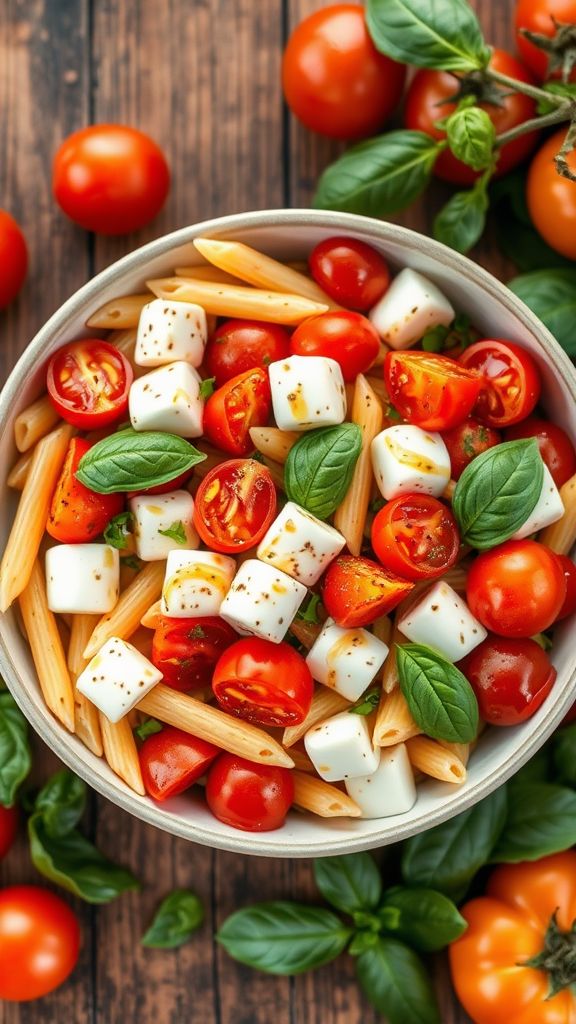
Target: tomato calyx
x=482 y=90
x=558 y=957
x=560 y=48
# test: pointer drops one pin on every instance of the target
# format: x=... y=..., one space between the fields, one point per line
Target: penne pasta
x=325 y=703
x=448 y=492
x=124 y=618
x=151 y=616
x=125 y=342
x=322 y=798
x=274 y=443
x=85 y=713
x=434 y=759
x=389 y=671
x=561 y=536
x=460 y=750
x=19 y=472
x=394 y=722
x=382 y=628
x=350 y=517
x=276 y=472
x=121 y=752
x=208 y=272
x=119 y=313
x=301 y=761
x=34 y=422
x=237 y=301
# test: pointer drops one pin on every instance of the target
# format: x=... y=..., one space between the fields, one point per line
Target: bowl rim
x=54 y=735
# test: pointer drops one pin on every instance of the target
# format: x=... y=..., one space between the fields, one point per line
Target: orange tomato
x=552 y=198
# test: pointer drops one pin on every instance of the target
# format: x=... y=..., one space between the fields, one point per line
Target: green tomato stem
x=529 y=90
x=563 y=113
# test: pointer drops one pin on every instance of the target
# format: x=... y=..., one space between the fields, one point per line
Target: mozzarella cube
x=196 y=583
x=341 y=748
x=406 y=458
x=168 y=399
x=307 y=391
x=82 y=578
x=442 y=619
x=300 y=544
x=154 y=516
x=116 y=678
x=262 y=601
x=168 y=331
x=411 y=306
x=346 y=659
x=389 y=790
x=549 y=508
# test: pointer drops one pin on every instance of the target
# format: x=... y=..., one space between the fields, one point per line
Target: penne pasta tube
x=201 y=469
x=394 y=722
x=389 y=671
x=325 y=703
x=151 y=616
x=119 y=313
x=19 y=472
x=124 y=618
x=121 y=752
x=460 y=750
x=322 y=798
x=448 y=492
x=350 y=517
x=208 y=272
x=237 y=301
x=276 y=472
x=382 y=628
x=301 y=761
x=305 y=632
x=273 y=442
x=560 y=536
x=383 y=352
x=85 y=712
x=432 y=758
x=34 y=422
x=125 y=342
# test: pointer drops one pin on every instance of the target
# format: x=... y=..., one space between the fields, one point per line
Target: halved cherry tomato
x=252 y=797
x=350 y=272
x=241 y=403
x=39 y=942
x=172 y=761
x=8 y=828
x=510 y=676
x=13 y=259
x=186 y=650
x=241 y=345
x=262 y=682
x=77 y=514
x=88 y=383
x=465 y=442
x=430 y=390
x=569 y=572
x=358 y=590
x=415 y=536
x=555 y=446
x=517 y=588
x=510 y=381
x=349 y=338
x=234 y=505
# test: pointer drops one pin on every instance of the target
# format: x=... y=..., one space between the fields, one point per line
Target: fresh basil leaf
x=379 y=176
x=425 y=919
x=367 y=703
x=61 y=803
x=538 y=768
x=551 y=295
x=148 y=728
x=118 y=530
x=206 y=387
x=176 y=532
x=132 y=460
x=15 y=756
x=442 y=34
x=395 y=981
x=497 y=492
x=447 y=857
x=471 y=136
x=362 y=941
x=351 y=882
x=131 y=562
x=308 y=612
x=284 y=938
x=319 y=467
x=564 y=755
x=541 y=820
x=461 y=222
x=439 y=696
x=177 y=918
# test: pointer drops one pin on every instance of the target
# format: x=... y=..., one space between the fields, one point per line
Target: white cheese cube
x=82 y=578
x=440 y=618
x=406 y=458
x=300 y=544
x=346 y=659
x=155 y=516
x=168 y=399
x=196 y=583
x=307 y=391
x=168 y=331
x=549 y=508
x=262 y=601
x=341 y=748
x=389 y=790
x=116 y=678
x=411 y=306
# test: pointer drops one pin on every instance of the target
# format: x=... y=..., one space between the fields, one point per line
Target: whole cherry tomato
x=39 y=942
x=510 y=381
x=357 y=591
x=350 y=272
x=429 y=390
x=77 y=514
x=242 y=402
x=8 y=828
x=172 y=760
x=13 y=259
x=88 y=383
x=569 y=572
x=555 y=446
x=466 y=441
x=349 y=338
x=510 y=676
x=234 y=505
x=539 y=16
x=252 y=797
x=264 y=683
x=186 y=650
x=240 y=345
x=415 y=536
x=552 y=199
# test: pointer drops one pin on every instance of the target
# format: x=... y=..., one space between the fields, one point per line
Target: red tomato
x=242 y=402
x=13 y=259
x=517 y=588
x=264 y=683
x=511 y=678
x=427 y=101
x=252 y=797
x=172 y=761
x=415 y=536
x=8 y=828
x=510 y=381
x=334 y=79
x=539 y=16
x=352 y=273
x=77 y=514
x=186 y=650
x=551 y=198
x=39 y=942
x=110 y=178
x=88 y=383
x=234 y=505
x=555 y=446
x=465 y=442
x=357 y=591
x=429 y=390
x=172 y=485
x=569 y=572
x=349 y=338
x=241 y=345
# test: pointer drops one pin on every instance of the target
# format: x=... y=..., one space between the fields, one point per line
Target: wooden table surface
x=203 y=77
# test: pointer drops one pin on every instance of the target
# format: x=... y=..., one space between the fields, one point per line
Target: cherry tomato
x=241 y=345
x=555 y=446
x=539 y=16
x=510 y=381
x=552 y=199
x=465 y=442
x=429 y=390
x=39 y=942
x=186 y=650
x=8 y=828
x=569 y=572
x=349 y=338
x=172 y=485
x=517 y=588
x=88 y=383
x=265 y=683
x=110 y=178
x=234 y=505
x=242 y=402
x=357 y=591
x=511 y=678
x=415 y=536
x=350 y=272
x=77 y=514
x=252 y=797
x=13 y=259
x=334 y=79
x=172 y=761
x=427 y=101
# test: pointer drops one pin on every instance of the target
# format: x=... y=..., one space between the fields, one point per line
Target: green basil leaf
x=461 y=222
x=395 y=981
x=15 y=755
x=367 y=703
x=538 y=768
x=148 y=728
x=61 y=803
x=118 y=530
x=131 y=562
x=439 y=696
x=541 y=820
x=471 y=136
x=497 y=492
x=351 y=882
x=176 y=532
x=319 y=467
x=551 y=295
x=425 y=919
x=379 y=176
x=308 y=612
x=132 y=460
x=564 y=755
x=177 y=918
x=284 y=938
x=206 y=387
x=442 y=34
x=448 y=856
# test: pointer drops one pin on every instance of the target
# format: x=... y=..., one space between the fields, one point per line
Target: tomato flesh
x=13 y=259
x=510 y=381
x=264 y=683
x=428 y=390
x=555 y=446
x=248 y=796
x=415 y=536
x=234 y=505
x=466 y=441
x=241 y=403
x=356 y=591
x=186 y=650
x=511 y=678
x=88 y=383
x=172 y=760
x=349 y=338
x=77 y=514
x=39 y=942
x=350 y=272
x=241 y=345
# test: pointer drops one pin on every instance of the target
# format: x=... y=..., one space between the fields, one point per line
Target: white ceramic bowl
x=291 y=234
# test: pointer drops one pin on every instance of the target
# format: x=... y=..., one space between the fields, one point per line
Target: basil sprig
x=471 y=136
x=15 y=756
x=428 y=33
x=177 y=918
x=319 y=467
x=132 y=460
x=396 y=982
x=284 y=938
x=439 y=696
